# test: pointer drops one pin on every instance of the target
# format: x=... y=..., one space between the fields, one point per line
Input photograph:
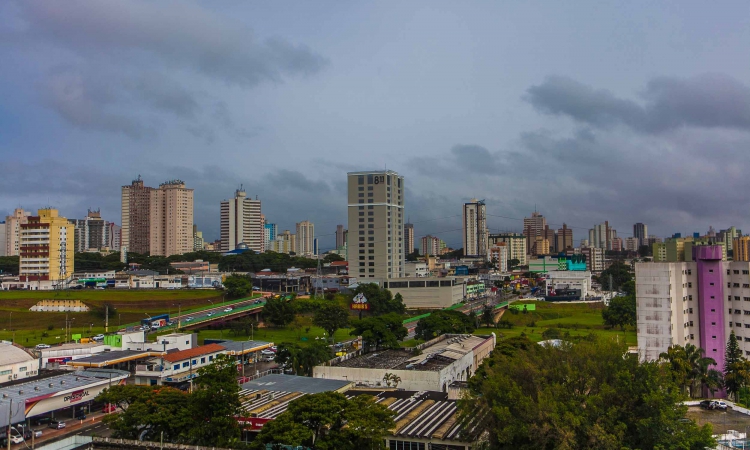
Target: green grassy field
x=29 y=327
x=275 y=335
x=577 y=319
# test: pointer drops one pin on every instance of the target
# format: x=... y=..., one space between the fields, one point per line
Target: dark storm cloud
x=180 y=34
x=475 y=158
x=708 y=101
x=116 y=81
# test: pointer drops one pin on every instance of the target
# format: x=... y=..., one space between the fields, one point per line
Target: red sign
x=254 y=422
x=361 y=306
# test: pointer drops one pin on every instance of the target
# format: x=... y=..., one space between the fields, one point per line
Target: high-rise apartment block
x=3 y=237
x=532 y=227
x=408 y=238
x=516 y=245
x=564 y=239
x=115 y=236
x=640 y=232
x=376 y=224
x=171 y=219
x=601 y=236
x=241 y=223
x=198 y=240
x=741 y=246
x=13 y=231
x=430 y=245
x=681 y=249
x=46 y=250
x=91 y=233
x=632 y=244
x=136 y=217
x=499 y=255
x=305 y=239
x=270 y=231
x=339 y=237
x=286 y=242
x=699 y=302
x=475 y=228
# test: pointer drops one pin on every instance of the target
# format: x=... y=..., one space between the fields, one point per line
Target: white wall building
x=416 y=269
x=241 y=223
x=305 y=239
x=16 y=363
x=568 y=279
x=475 y=228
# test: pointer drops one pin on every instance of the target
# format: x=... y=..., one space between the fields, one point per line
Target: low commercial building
x=427 y=293
x=60 y=396
x=416 y=270
x=567 y=285
x=16 y=363
x=443 y=360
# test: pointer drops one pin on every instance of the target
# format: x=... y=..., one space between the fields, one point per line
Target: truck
x=156 y=321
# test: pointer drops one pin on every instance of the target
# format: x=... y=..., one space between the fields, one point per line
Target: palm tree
x=689 y=366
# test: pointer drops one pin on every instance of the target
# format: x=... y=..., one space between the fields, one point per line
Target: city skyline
x=540 y=112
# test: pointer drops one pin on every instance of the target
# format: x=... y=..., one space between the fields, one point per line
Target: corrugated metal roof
x=192 y=352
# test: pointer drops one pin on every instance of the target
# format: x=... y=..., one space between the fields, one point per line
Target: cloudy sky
x=586 y=111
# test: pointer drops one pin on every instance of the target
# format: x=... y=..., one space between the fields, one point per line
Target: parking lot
x=721 y=420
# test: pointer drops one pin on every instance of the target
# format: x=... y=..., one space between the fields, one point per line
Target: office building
x=698 y=302
x=408 y=238
x=617 y=244
x=46 y=249
x=376 y=224
x=541 y=246
x=305 y=239
x=136 y=217
x=681 y=249
x=551 y=237
x=430 y=245
x=171 y=219
x=516 y=245
x=241 y=223
x=564 y=238
x=475 y=229
x=532 y=227
x=197 y=239
x=640 y=232
x=91 y=233
x=728 y=236
x=13 y=231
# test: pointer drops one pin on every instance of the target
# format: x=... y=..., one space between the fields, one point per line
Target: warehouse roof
x=10 y=354
x=192 y=352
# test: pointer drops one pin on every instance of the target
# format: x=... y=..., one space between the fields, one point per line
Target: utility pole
x=106 y=318
x=10 y=420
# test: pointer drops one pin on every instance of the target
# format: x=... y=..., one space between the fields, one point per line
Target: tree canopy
x=302 y=359
x=331 y=317
x=279 y=311
x=442 y=322
x=329 y=421
x=381 y=300
x=587 y=395
x=620 y=312
x=238 y=286
x=620 y=273
x=380 y=332
x=690 y=368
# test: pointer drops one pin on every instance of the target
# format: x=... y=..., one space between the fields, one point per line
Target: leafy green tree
x=279 y=311
x=381 y=332
x=413 y=256
x=302 y=359
x=442 y=322
x=621 y=274
x=145 y=412
x=592 y=394
x=620 y=312
x=488 y=316
x=9 y=265
x=690 y=367
x=331 y=317
x=238 y=286
x=333 y=257
x=512 y=264
x=214 y=403
x=732 y=359
x=381 y=300
x=329 y=421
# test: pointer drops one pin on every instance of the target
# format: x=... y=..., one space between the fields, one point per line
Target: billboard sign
x=359 y=302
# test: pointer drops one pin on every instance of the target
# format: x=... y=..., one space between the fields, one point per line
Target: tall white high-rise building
x=305 y=239
x=375 y=246
x=241 y=223
x=475 y=228
x=91 y=233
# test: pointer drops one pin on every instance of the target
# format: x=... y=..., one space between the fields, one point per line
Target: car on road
x=99 y=337
x=721 y=406
x=56 y=424
x=707 y=404
x=42 y=346
x=210 y=314
x=256 y=288
x=188 y=319
x=16 y=439
x=267 y=352
x=38 y=433
x=81 y=415
x=227 y=309
x=257 y=302
x=109 y=408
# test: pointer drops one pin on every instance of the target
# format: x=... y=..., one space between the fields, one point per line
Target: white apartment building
x=698 y=302
x=13 y=231
x=241 y=223
x=516 y=243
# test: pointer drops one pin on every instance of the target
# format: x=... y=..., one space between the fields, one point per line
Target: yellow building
x=741 y=247
x=46 y=247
